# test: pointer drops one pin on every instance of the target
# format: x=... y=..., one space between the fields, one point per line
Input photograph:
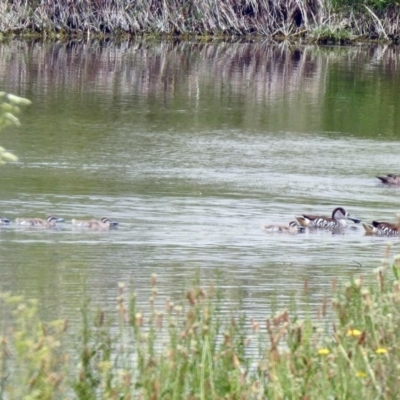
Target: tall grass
x=279 y=18
x=190 y=349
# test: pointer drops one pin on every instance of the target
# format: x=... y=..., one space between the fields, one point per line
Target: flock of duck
x=336 y=222
x=339 y=218
x=52 y=221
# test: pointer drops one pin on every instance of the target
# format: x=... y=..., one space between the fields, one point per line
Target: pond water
x=192 y=148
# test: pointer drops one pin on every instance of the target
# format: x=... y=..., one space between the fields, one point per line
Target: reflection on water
x=192 y=148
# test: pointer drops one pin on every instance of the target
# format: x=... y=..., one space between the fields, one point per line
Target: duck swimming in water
x=337 y=221
x=104 y=223
x=49 y=222
x=390 y=179
x=381 y=228
x=4 y=221
x=292 y=227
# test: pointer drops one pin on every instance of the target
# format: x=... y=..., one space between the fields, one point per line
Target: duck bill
x=60 y=219
x=355 y=220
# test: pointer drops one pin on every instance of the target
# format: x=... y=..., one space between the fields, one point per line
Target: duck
x=49 y=222
x=337 y=221
x=390 y=179
x=103 y=223
x=381 y=228
x=4 y=221
x=292 y=227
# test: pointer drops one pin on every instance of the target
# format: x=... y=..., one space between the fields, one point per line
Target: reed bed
x=317 y=20
x=189 y=349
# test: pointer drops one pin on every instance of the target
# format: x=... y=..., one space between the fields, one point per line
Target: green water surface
x=192 y=148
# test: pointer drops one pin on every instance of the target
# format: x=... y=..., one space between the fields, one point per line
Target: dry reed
x=278 y=18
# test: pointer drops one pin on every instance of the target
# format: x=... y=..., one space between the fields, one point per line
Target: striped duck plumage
x=49 y=222
x=292 y=227
x=390 y=179
x=381 y=228
x=337 y=221
x=104 y=223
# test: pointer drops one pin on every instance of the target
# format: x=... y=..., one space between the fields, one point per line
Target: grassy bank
x=323 y=21
x=189 y=349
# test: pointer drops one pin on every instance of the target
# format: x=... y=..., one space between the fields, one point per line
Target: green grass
x=191 y=350
x=326 y=34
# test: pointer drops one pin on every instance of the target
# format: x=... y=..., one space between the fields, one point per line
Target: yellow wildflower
x=353 y=332
x=361 y=374
x=381 y=350
x=323 y=352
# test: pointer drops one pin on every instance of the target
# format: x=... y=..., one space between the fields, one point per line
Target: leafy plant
x=32 y=360
x=9 y=107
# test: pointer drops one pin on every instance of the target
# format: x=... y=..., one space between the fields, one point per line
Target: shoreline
x=295 y=39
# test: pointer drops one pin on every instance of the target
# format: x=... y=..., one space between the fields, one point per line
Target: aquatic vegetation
x=9 y=107
x=329 y=34
x=189 y=349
